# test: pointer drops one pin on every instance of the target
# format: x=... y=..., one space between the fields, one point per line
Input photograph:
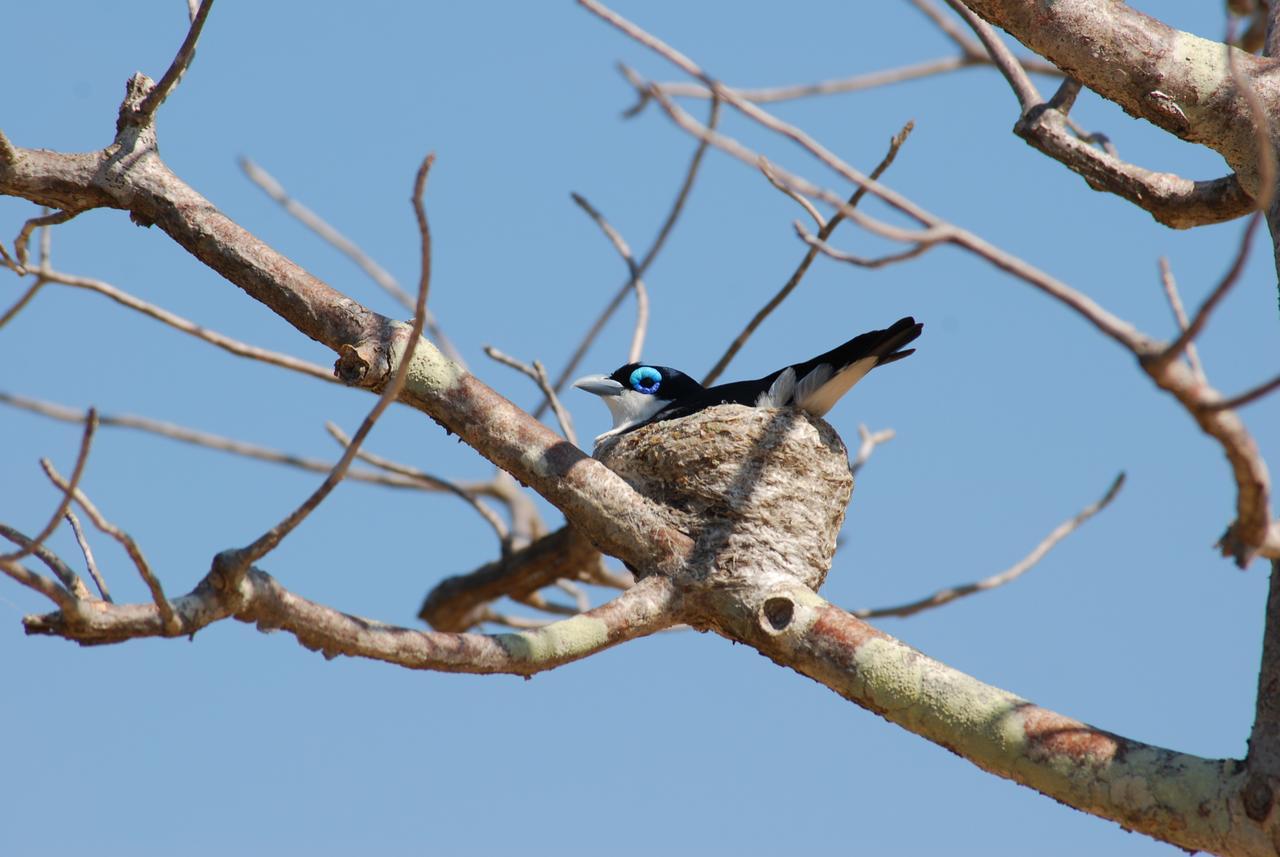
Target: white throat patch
x=630 y=409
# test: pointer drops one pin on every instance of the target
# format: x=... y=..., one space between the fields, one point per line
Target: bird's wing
x=827 y=377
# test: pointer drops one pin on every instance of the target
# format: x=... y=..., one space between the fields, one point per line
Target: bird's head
x=635 y=393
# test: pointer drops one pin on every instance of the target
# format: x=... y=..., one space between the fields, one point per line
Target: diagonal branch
x=68 y=492
x=163 y=607
x=1186 y=800
x=1021 y=567
x=268 y=541
x=825 y=229
x=637 y=282
x=344 y=245
x=177 y=68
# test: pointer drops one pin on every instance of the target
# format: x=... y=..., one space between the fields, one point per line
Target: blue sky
x=1012 y=416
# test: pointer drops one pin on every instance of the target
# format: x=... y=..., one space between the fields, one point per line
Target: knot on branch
x=760 y=491
x=131 y=115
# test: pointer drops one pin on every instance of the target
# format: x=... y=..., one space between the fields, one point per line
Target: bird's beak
x=601 y=385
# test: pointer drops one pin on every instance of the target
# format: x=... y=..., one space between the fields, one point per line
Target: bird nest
x=758 y=490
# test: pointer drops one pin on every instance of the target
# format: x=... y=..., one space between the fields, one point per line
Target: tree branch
x=1185 y=800
x=1021 y=567
x=458 y=603
x=260 y=599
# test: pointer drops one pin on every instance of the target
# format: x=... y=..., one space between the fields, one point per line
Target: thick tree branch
x=1175 y=80
x=1192 y=802
x=458 y=603
x=260 y=599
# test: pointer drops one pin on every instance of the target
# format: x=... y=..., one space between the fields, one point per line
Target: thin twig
x=942 y=234
x=126 y=541
x=268 y=541
x=633 y=268
x=677 y=207
x=538 y=373
x=1005 y=61
x=945 y=596
x=767 y=169
x=869 y=441
x=65 y=600
x=70 y=580
x=492 y=518
x=207 y=440
x=824 y=232
x=1224 y=285
x=186 y=53
x=21 y=243
x=82 y=458
x=1180 y=316
x=344 y=245
x=1246 y=397
x=98 y=580
x=21 y=302
x=226 y=343
x=1110 y=325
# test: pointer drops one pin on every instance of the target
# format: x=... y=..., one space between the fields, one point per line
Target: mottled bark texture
x=1178 y=81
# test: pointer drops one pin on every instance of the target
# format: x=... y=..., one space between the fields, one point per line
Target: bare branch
x=177 y=322
x=89 y=561
x=164 y=608
x=82 y=458
x=1002 y=733
x=1224 y=285
x=28 y=578
x=767 y=170
x=21 y=243
x=22 y=302
x=869 y=441
x=1171 y=199
x=677 y=207
x=1005 y=61
x=824 y=232
x=260 y=599
x=1247 y=397
x=458 y=603
x=939 y=235
x=1180 y=316
x=539 y=375
x=490 y=516
x=636 y=282
x=344 y=245
x=186 y=53
x=268 y=541
x=945 y=596
x=209 y=441
x=70 y=580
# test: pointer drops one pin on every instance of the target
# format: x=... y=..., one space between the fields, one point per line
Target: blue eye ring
x=646 y=380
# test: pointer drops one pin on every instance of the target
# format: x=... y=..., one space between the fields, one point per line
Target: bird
x=638 y=394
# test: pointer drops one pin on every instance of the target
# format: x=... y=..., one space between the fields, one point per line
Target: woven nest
x=756 y=489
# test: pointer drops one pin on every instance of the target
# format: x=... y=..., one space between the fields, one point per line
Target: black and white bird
x=640 y=393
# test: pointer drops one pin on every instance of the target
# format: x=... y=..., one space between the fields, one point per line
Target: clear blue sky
x=1012 y=416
